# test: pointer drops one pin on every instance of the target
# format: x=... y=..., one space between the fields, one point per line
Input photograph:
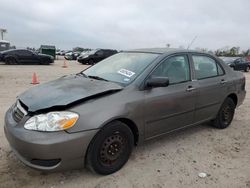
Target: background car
x=72 y=55
x=23 y=56
x=61 y=52
x=95 y=56
x=237 y=63
x=4 y=45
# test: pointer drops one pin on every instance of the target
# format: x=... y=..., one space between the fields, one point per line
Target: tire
x=110 y=149
x=10 y=61
x=225 y=114
x=247 y=69
x=91 y=62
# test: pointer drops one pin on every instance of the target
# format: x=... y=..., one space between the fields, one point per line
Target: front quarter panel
x=96 y=113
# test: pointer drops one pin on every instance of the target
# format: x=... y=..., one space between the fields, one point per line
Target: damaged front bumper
x=47 y=151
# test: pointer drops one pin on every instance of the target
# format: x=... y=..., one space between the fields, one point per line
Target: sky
x=129 y=24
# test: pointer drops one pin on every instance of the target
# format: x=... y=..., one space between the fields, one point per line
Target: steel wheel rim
x=112 y=149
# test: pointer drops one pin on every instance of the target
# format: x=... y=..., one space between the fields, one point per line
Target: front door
x=172 y=107
x=28 y=57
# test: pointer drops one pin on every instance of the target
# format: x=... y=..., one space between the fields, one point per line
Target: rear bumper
x=47 y=151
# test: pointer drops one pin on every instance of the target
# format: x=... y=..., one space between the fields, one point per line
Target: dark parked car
x=22 y=56
x=97 y=116
x=95 y=56
x=237 y=63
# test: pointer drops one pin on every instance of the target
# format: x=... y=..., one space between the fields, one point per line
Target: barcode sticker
x=125 y=72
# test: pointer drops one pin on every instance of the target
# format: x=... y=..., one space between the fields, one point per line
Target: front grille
x=18 y=112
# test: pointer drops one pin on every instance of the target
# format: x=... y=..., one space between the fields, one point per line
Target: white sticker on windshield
x=125 y=72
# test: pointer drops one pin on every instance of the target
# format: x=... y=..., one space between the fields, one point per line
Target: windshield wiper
x=82 y=74
x=97 y=78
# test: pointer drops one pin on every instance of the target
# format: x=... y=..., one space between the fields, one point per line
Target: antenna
x=192 y=42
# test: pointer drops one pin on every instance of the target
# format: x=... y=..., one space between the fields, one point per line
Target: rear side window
x=206 y=67
x=25 y=52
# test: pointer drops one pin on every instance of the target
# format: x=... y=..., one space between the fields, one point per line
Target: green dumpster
x=47 y=49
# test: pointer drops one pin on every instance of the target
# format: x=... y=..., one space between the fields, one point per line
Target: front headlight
x=52 y=121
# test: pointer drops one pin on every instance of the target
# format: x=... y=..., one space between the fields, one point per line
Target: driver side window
x=175 y=68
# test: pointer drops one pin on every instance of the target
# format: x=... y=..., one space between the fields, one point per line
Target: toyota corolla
x=96 y=117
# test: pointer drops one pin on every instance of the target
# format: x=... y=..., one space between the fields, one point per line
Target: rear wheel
x=110 y=149
x=10 y=61
x=225 y=114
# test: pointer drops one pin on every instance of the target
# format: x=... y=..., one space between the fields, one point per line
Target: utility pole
x=2 y=31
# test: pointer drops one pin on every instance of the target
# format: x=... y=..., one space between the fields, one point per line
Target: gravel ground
x=174 y=160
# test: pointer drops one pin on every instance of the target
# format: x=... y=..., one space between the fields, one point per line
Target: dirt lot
x=171 y=161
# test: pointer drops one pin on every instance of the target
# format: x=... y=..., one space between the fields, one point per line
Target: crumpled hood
x=65 y=91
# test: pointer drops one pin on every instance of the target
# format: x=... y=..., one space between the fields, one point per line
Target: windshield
x=84 y=52
x=91 y=52
x=122 y=68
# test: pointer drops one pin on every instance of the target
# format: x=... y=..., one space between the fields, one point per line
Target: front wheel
x=110 y=148
x=91 y=62
x=225 y=114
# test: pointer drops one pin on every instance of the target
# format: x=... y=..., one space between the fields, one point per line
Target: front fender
x=96 y=113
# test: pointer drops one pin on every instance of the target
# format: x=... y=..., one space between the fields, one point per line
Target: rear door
x=238 y=65
x=242 y=64
x=212 y=84
x=171 y=107
x=100 y=55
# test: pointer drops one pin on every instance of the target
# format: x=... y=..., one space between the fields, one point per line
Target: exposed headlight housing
x=52 y=121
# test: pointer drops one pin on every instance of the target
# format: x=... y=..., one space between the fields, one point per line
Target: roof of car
x=161 y=50
x=4 y=41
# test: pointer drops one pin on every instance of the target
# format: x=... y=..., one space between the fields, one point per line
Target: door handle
x=190 y=88
x=223 y=81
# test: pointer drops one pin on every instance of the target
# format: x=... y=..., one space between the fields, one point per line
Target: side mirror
x=157 y=82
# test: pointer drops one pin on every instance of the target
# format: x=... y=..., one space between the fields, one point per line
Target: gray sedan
x=96 y=117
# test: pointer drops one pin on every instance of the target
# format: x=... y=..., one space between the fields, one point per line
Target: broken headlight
x=52 y=121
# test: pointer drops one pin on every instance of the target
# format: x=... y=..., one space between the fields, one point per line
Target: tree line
x=228 y=51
